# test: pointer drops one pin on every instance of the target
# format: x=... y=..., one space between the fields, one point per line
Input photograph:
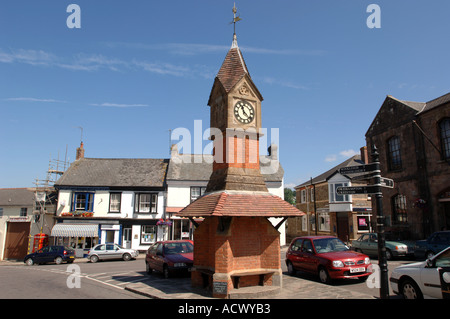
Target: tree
x=289 y=196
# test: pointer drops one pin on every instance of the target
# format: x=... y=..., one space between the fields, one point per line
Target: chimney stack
x=80 y=152
x=364 y=155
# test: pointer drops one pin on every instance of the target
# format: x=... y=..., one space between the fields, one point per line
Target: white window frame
x=143 y=206
x=336 y=198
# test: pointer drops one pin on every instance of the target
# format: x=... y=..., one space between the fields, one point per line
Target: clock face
x=244 y=112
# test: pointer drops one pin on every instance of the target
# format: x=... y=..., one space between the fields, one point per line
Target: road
x=80 y=280
x=107 y=280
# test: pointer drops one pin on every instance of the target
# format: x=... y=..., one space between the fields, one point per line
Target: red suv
x=328 y=257
x=170 y=256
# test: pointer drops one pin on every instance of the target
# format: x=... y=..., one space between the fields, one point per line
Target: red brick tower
x=236 y=246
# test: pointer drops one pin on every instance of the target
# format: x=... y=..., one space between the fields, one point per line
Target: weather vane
x=235 y=19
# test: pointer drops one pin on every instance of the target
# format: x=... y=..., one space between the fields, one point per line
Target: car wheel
x=291 y=269
x=29 y=262
x=388 y=254
x=323 y=276
x=148 y=269
x=58 y=260
x=93 y=259
x=166 y=272
x=126 y=256
x=410 y=290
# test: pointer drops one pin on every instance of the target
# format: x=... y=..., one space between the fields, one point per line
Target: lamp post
x=382 y=260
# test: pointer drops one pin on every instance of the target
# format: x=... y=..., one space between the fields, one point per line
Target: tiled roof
x=352 y=161
x=16 y=197
x=232 y=70
x=437 y=102
x=115 y=172
x=239 y=204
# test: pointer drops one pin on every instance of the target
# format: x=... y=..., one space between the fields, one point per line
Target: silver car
x=110 y=251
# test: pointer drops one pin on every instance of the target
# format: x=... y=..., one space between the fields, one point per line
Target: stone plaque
x=220 y=287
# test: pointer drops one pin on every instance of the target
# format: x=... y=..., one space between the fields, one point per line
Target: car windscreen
x=327 y=245
x=178 y=248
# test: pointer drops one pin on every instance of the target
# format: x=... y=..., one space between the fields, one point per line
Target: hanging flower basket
x=162 y=222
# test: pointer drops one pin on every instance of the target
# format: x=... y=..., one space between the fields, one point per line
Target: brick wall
x=243 y=244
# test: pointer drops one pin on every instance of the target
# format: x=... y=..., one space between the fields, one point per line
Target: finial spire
x=235 y=19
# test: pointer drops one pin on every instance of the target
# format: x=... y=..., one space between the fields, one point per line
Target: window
x=297 y=245
x=363 y=223
x=114 y=202
x=399 y=209
x=312 y=194
x=307 y=246
x=23 y=212
x=444 y=130
x=83 y=202
x=394 y=156
x=304 y=223
x=335 y=197
x=146 y=203
x=1 y=211
x=148 y=234
x=303 y=196
x=196 y=192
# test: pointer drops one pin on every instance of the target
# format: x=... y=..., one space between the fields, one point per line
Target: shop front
x=80 y=237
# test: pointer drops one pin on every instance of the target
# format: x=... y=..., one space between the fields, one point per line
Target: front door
x=342 y=226
x=127 y=238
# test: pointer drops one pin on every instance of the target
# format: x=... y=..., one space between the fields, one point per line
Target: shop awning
x=69 y=230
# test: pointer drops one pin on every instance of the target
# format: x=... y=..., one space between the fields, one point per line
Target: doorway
x=126 y=238
x=342 y=226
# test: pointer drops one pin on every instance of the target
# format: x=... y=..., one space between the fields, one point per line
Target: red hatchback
x=170 y=256
x=328 y=257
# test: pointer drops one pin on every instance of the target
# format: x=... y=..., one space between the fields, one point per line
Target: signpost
x=374 y=172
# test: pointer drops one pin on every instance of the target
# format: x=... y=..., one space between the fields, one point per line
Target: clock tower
x=236 y=245
x=235 y=104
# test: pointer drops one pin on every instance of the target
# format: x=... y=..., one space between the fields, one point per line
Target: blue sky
x=137 y=69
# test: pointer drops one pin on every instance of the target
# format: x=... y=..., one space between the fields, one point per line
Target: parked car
x=368 y=244
x=427 y=279
x=111 y=251
x=328 y=257
x=437 y=242
x=57 y=254
x=170 y=256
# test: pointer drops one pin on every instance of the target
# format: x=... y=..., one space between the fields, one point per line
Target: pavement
x=301 y=286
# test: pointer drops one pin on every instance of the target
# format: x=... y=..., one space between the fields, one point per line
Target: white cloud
x=331 y=158
x=348 y=153
x=119 y=105
x=32 y=99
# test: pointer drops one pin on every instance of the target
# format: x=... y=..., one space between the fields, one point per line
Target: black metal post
x=382 y=260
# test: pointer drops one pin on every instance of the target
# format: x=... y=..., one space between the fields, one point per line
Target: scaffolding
x=46 y=196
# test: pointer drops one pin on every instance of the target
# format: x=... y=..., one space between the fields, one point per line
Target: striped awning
x=73 y=230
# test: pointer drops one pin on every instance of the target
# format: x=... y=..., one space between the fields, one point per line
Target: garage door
x=16 y=244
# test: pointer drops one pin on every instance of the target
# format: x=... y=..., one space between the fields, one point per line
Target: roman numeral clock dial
x=244 y=112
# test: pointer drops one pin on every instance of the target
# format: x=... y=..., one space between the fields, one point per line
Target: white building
x=111 y=200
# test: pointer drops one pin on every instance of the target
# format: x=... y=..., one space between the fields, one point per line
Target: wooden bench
x=236 y=276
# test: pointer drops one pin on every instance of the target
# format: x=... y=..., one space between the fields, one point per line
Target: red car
x=328 y=257
x=170 y=256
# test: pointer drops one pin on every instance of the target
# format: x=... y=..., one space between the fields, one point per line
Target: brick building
x=413 y=139
x=327 y=213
